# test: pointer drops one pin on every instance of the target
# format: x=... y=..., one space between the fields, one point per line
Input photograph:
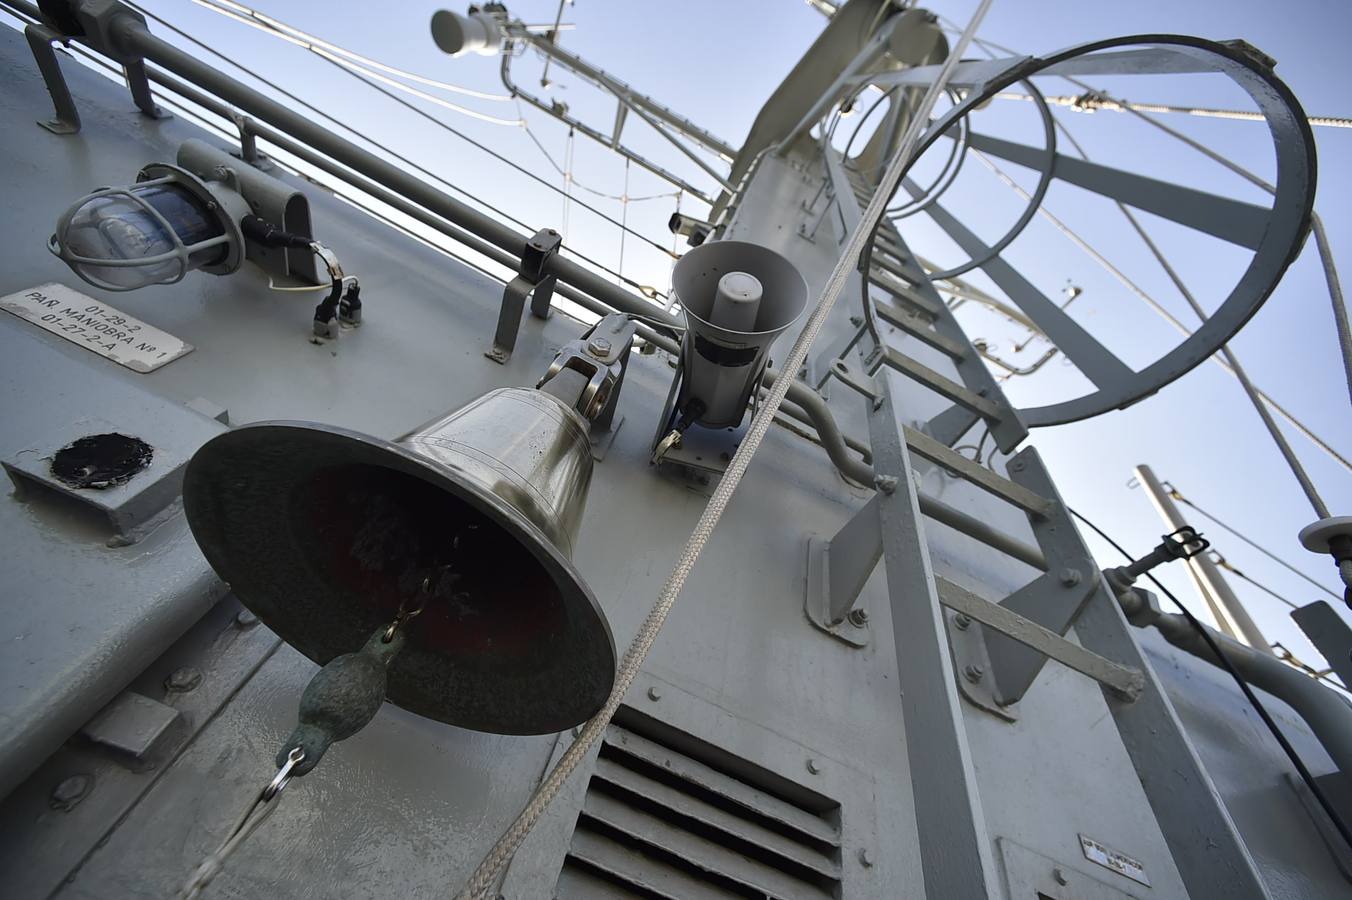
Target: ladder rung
x=928 y=448
x=1125 y=681
x=908 y=324
x=946 y=387
x=885 y=280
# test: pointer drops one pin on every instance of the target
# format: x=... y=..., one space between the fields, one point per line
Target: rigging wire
x=560 y=169
x=1214 y=646
x=241 y=13
x=365 y=76
x=1093 y=101
x=624 y=217
x=395 y=155
x=1225 y=564
x=1176 y=495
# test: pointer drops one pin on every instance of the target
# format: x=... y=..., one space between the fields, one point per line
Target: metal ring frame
x=947 y=174
x=1045 y=176
x=1288 y=221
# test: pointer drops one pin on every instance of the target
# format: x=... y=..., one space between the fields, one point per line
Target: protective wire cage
x=152 y=232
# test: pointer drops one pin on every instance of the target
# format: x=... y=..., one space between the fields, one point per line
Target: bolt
x=1060 y=875
x=974 y=673
x=577 y=731
x=180 y=681
x=814 y=767
x=885 y=483
x=654 y=694
x=865 y=858
x=856 y=321
x=1017 y=465
x=599 y=345
x=962 y=621
x=245 y=619
x=68 y=794
x=1069 y=577
x=858 y=618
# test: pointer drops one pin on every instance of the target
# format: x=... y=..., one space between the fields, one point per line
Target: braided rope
x=483 y=877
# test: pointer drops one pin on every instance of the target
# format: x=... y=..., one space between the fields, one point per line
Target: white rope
x=241 y=13
x=487 y=872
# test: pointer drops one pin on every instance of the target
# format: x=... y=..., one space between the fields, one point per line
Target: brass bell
x=324 y=533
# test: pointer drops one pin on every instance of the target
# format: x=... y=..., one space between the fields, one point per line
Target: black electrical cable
x=1263 y=714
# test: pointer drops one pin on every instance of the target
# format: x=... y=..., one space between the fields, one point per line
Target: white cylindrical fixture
x=457 y=35
x=737 y=302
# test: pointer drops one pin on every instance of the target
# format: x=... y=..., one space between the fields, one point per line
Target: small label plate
x=1111 y=859
x=96 y=326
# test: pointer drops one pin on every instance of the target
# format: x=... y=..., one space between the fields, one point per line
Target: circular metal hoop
x=1047 y=171
x=1283 y=234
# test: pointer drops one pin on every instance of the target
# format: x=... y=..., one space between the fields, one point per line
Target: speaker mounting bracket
x=531 y=280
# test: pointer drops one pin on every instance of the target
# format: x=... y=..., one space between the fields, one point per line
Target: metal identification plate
x=96 y=326
x=1111 y=859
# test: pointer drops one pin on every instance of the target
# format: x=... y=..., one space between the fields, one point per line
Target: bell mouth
x=324 y=532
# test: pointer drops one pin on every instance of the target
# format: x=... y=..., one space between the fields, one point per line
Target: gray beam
x=1094 y=360
x=954 y=844
x=1126 y=682
x=1223 y=217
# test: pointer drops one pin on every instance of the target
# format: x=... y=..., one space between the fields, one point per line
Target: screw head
x=180 y=681
x=865 y=858
x=814 y=767
x=67 y=795
x=654 y=694
x=974 y=673
x=599 y=345
x=886 y=483
x=245 y=619
x=1069 y=577
x=858 y=617
x=1017 y=465
x=1059 y=875
x=962 y=621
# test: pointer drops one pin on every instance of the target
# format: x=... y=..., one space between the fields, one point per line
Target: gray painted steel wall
x=407 y=807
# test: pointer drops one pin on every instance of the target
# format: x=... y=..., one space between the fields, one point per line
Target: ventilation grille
x=669 y=816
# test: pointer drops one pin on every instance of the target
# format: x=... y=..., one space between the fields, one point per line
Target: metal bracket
x=837 y=570
x=1053 y=600
x=139 y=85
x=601 y=357
x=840 y=369
x=1123 y=681
x=972 y=666
x=531 y=279
x=67 y=117
x=1330 y=636
x=248 y=145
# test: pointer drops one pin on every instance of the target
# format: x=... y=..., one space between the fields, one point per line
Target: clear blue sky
x=718 y=61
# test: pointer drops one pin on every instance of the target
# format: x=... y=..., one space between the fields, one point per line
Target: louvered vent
x=667 y=815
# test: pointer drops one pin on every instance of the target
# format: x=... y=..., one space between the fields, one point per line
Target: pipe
x=1327 y=714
